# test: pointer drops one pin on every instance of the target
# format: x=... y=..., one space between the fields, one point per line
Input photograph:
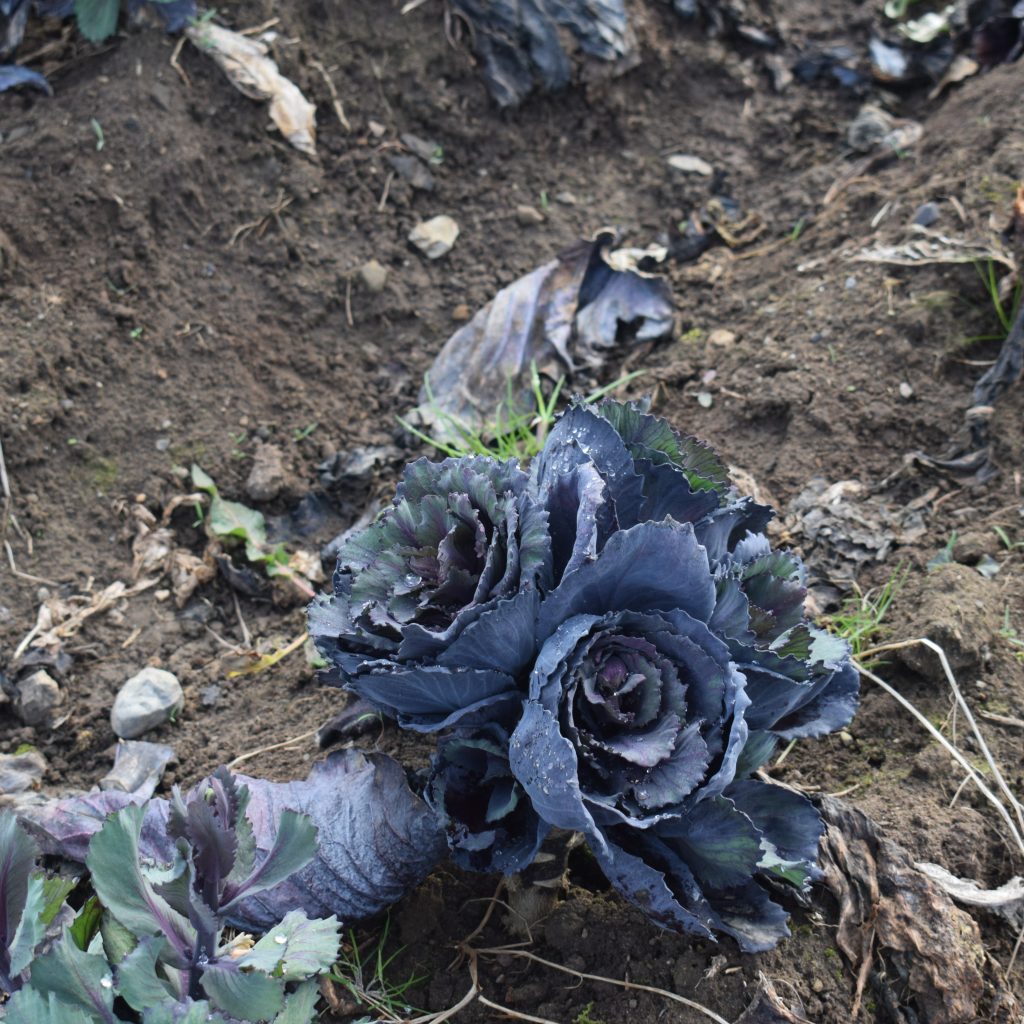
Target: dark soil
x=141 y=331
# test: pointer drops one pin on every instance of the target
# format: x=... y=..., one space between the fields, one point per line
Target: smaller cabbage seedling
x=29 y=903
x=162 y=947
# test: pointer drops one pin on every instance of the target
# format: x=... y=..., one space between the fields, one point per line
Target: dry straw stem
x=1016 y=828
x=973 y=775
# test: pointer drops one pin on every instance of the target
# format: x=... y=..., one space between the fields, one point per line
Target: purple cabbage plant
x=608 y=644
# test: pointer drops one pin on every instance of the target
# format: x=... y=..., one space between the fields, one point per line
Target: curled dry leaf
x=892 y=912
x=256 y=75
x=768 y=1008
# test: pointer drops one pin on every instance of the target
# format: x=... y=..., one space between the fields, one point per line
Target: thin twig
x=1016 y=950
x=273 y=746
x=25 y=575
x=978 y=735
x=384 y=195
x=1015 y=723
x=959 y=757
x=257 y=30
x=246 y=638
x=339 y=110
x=504 y=951
x=174 y=62
x=348 y=302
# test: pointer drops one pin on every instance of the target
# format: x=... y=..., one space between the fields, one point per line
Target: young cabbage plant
x=30 y=903
x=609 y=645
x=161 y=947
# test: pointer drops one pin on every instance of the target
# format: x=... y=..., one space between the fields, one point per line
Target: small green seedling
x=364 y=974
x=1010 y=635
x=945 y=556
x=302 y=433
x=860 y=620
x=511 y=434
x=245 y=527
x=97 y=130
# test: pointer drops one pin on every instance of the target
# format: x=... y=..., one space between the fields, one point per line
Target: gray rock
x=528 y=215
x=374 y=275
x=435 y=237
x=147 y=700
x=412 y=170
x=20 y=773
x=138 y=767
x=38 y=695
x=268 y=476
x=686 y=163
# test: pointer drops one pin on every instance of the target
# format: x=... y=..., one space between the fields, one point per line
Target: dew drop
x=280 y=940
x=107 y=982
x=412 y=580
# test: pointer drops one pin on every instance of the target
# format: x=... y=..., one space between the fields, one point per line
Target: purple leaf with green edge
x=651 y=437
x=19 y=899
x=294 y=846
x=13 y=75
x=114 y=863
x=786 y=819
x=719 y=843
x=376 y=839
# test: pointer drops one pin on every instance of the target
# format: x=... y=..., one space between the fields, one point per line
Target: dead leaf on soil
x=60 y=618
x=154 y=550
x=768 y=1008
x=1007 y=901
x=256 y=75
x=928 y=246
x=846 y=527
x=896 y=924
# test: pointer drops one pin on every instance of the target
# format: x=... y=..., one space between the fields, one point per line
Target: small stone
x=529 y=215
x=926 y=215
x=722 y=338
x=688 y=164
x=376 y=129
x=566 y=198
x=425 y=149
x=850 y=283
x=906 y=391
x=374 y=275
x=20 y=773
x=162 y=444
x=845 y=738
x=705 y=399
x=818 y=985
x=149 y=699
x=38 y=695
x=268 y=476
x=461 y=312
x=435 y=237
x=413 y=170
x=209 y=695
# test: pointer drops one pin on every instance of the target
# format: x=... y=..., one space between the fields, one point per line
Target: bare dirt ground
x=189 y=291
